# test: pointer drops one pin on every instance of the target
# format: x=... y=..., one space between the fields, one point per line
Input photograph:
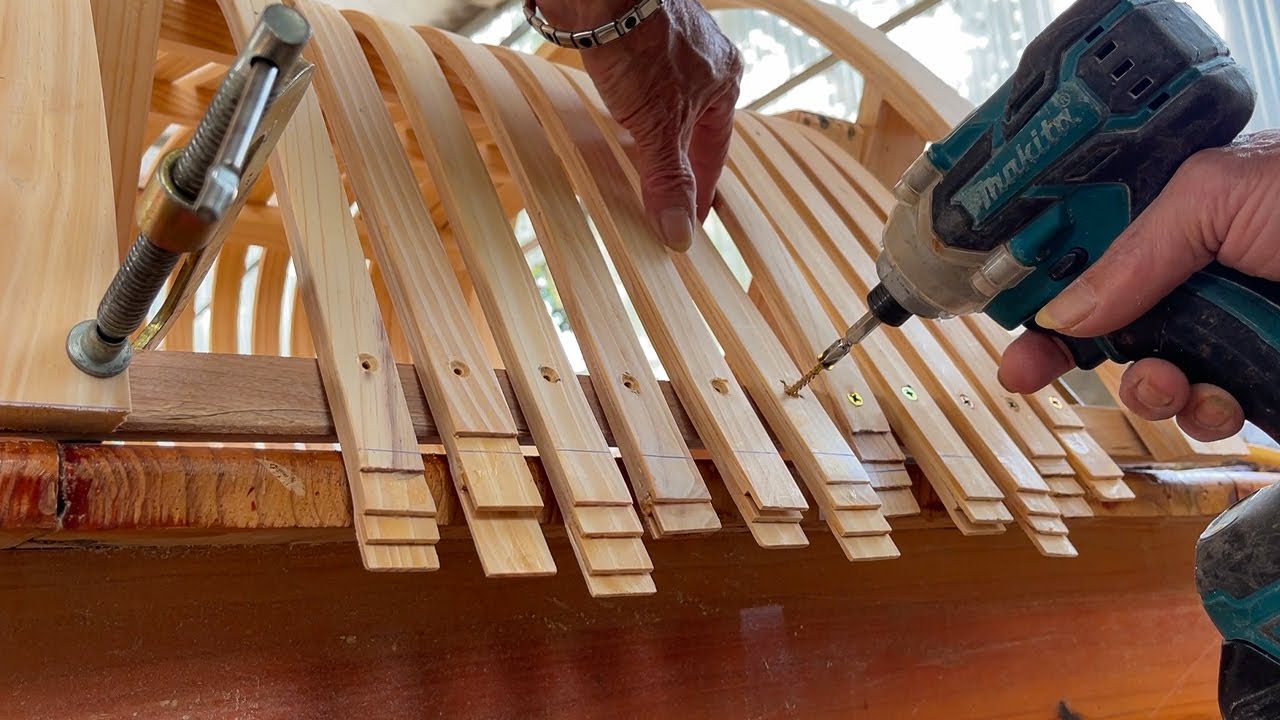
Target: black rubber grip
x=1207 y=342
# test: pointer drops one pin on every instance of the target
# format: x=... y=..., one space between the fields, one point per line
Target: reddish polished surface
x=958 y=628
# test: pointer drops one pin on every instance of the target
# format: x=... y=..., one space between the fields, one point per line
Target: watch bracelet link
x=587 y=39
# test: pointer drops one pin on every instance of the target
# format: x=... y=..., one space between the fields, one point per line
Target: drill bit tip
x=836 y=351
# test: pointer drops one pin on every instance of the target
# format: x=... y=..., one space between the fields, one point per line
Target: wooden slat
x=957 y=475
x=228 y=279
x=128 y=35
x=379 y=448
x=1026 y=491
x=611 y=188
x=769 y=499
x=58 y=206
x=268 y=302
x=1093 y=465
x=657 y=458
x=578 y=460
x=480 y=435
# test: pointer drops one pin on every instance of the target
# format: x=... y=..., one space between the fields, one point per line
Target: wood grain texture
x=605 y=176
x=56 y=196
x=128 y=35
x=499 y=498
x=658 y=459
x=576 y=456
x=1026 y=492
x=301 y=632
x=29 y=472
x=965 y=486
x=356 y=363
x=705 y=382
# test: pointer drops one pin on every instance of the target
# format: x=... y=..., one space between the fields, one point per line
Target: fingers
x=1211 y=414
x=1178 y=234
x=1154 y=389
x=1157 y=390
x=709 y=148
x=668 y=182
x=1032 y=361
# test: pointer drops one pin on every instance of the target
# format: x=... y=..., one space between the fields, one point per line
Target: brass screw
x=964 y=400
x=856 y=399
x=1055 y=402
x=909 y=392
x=1012 y=404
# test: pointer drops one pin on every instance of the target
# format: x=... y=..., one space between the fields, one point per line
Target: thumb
x=1179 y=233
x=667 y=178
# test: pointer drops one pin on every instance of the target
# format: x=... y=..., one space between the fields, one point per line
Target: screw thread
x=127 y=302
x=192 y=165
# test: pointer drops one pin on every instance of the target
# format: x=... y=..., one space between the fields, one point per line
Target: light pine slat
x=579 y=463
x=903 y=391
x=268 y=301
x=57 y=204
x=1028 y=494
x=920 y=424
x=955 y=340
x=656 y=456
x=225 y=308
x=359 y=372
x=128 y=34
x=480 y=432
x=1096 y=469
x=701 y=376
x=611 y=187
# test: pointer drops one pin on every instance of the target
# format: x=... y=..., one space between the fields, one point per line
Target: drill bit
x=836 y=351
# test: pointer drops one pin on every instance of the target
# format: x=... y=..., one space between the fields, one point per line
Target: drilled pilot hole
x=549 y=374
x=1013 y=404
x=368 y=362
x=720 y=385
x=964 y=400
x=629 y=382
x=459 y=368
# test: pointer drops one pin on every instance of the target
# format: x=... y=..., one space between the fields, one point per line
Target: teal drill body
x=1037 y=183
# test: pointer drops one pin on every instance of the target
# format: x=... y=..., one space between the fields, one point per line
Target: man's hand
x=1222 y=204
x=673 y=84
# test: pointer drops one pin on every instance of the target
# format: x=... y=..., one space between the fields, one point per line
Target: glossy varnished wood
x=302 y=632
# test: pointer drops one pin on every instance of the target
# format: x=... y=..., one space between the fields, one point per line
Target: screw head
x=1055 y=402
x=909 y=393
x=856 y=399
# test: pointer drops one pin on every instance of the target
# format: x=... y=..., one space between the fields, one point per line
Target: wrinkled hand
x=1222 y=204
x=673 y=84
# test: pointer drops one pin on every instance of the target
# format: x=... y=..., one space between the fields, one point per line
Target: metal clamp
x=197 y=192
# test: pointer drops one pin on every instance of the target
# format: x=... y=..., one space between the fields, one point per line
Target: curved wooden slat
x=579 y=463
x=657 y=459
x=839 y=484
x=380 y=451
x=224 y=323
x=497 y=493
x=273 y=269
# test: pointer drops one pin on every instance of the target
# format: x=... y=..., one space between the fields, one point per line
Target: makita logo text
x=1024 y=156
x=1035 y=148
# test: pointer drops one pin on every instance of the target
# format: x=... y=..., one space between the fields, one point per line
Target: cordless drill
x=1030 y=190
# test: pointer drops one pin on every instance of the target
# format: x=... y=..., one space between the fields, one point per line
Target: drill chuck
x=886 y=308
